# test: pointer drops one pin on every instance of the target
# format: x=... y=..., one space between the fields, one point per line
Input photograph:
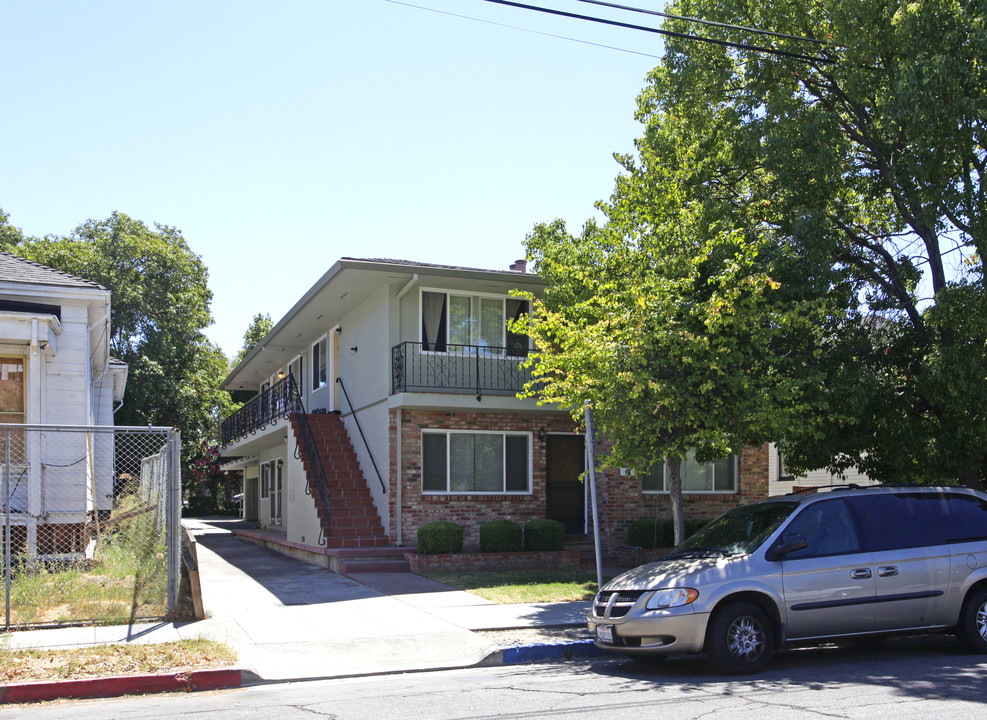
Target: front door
x=565 y=495
x=277 y=492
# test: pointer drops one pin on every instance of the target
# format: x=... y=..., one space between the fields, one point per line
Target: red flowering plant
x=213 y=490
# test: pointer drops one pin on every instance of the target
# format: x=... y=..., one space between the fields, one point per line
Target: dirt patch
x=532 y=636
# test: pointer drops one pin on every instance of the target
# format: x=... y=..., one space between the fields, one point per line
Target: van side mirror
x=790 y=544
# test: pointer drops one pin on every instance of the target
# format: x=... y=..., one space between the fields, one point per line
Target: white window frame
x=664 y=482
x=474 y=329
x=265 y=480
x=323 y=346
x=503 y=433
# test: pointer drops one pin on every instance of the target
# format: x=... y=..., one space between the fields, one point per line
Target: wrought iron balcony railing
x=266 y=408
x=474 y=369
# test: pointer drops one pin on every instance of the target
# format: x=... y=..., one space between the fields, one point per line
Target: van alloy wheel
x=740 y=638
x=745 y=639
x=972 y=627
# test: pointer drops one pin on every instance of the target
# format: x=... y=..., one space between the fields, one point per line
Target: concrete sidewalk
x=289 y=620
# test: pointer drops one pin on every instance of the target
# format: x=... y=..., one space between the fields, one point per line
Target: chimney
x=519 y=266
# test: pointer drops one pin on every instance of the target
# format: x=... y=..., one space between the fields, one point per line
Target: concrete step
x=373 y=565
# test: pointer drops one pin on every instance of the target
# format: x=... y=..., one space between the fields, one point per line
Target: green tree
x=258 y=328
x=830 y=214
x=160 y=306
x=10 y=236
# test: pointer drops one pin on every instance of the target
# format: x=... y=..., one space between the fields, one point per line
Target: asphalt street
x=902 y=679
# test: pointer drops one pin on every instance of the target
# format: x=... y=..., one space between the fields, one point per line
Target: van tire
x=740 y=639
x=972 y=628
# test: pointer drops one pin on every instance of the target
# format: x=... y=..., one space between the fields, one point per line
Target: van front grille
x=619 y=605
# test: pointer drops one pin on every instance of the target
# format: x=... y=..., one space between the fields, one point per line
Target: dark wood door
x=565 y=499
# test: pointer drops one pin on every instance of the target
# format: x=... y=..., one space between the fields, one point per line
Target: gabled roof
x=18 y=270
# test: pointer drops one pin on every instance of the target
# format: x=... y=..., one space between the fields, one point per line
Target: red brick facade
x=620 y=498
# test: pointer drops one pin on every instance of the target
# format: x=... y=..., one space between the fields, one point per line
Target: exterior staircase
x=351 y=520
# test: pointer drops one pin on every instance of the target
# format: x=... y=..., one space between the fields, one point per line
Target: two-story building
x=387 y=399
x=55 y=370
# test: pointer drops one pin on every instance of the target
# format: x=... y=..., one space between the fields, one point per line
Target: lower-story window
x=475 y=462
x=719 y=476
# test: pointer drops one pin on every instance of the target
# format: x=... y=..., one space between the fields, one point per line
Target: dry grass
x=112 y=660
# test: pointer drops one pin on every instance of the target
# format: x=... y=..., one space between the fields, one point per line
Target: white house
x=55 y=370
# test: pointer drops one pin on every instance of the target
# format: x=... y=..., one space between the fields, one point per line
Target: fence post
x=6 y=528
x=174 y=494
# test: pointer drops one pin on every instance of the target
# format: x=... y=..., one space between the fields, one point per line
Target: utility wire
x=701 y=21
x=523 y=29
x=658 y=31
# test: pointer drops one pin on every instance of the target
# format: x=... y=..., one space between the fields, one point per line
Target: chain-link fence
x=91 y=523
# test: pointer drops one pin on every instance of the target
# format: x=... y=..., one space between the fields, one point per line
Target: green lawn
x=528 y=586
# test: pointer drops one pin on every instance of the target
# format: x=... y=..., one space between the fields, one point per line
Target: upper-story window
x=320 y=373
x=719 y=476
x=451 y=320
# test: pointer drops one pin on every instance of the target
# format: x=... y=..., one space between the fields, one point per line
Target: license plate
x=604 y=633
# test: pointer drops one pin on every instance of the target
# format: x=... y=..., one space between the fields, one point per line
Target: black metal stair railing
x=281 y=401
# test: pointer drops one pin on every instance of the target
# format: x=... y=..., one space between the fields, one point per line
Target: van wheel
x=972 y=628
x=740 y=639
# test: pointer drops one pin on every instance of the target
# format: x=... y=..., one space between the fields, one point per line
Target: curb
x=121 y=685
x=543 y=652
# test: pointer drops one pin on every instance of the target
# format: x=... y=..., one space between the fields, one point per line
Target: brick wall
x=622 y=501
x=620 y=498
x=468 y=510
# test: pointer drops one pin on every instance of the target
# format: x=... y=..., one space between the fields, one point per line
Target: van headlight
x=673 y=597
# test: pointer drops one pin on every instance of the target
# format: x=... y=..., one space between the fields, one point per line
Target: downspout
x=400 y=498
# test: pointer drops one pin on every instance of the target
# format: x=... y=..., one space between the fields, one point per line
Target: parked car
x=854 y=562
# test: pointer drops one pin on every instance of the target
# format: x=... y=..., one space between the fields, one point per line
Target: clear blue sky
x=281 y=136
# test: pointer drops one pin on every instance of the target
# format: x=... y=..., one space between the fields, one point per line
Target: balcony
x=458 y=369
x=278 y=401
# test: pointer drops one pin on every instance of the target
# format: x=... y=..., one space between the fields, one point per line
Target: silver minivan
x=852 y=562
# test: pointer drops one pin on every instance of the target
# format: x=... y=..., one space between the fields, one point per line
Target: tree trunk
x=675 y=493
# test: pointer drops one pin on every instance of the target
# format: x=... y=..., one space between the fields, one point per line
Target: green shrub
x=440 y=537
x=544 y=535
x=649 y=533
x=501 y=536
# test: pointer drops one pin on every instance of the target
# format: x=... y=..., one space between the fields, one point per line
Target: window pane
x=492 y=325
x=517 y=343
x=488 y=463
x=434 y=462
x=653 y=479
x=892 y=522
x=433 y=321
x=964 y=518
x=460 y=462
x=12 y=386
x=460 y=320
x=723 y=474
x=517 y=463
x=696 y=477
x=827 y=529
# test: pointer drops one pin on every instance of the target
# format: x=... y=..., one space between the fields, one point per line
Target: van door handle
x=861 y=574
x=889 y=571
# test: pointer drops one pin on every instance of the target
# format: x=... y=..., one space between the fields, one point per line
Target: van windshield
x=738 y=532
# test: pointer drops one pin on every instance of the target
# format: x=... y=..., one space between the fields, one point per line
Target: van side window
x=893 y=522
x=964 y=518
x=827 y=529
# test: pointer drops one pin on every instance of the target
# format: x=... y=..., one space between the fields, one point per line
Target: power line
x=701 y=21
x=658 y=31
x=523 y=29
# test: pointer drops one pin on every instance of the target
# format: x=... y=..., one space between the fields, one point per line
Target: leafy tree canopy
x=160 y=306
x=796 y=252
x=258 y=328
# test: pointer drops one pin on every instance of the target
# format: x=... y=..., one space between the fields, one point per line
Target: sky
x=279 y=137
